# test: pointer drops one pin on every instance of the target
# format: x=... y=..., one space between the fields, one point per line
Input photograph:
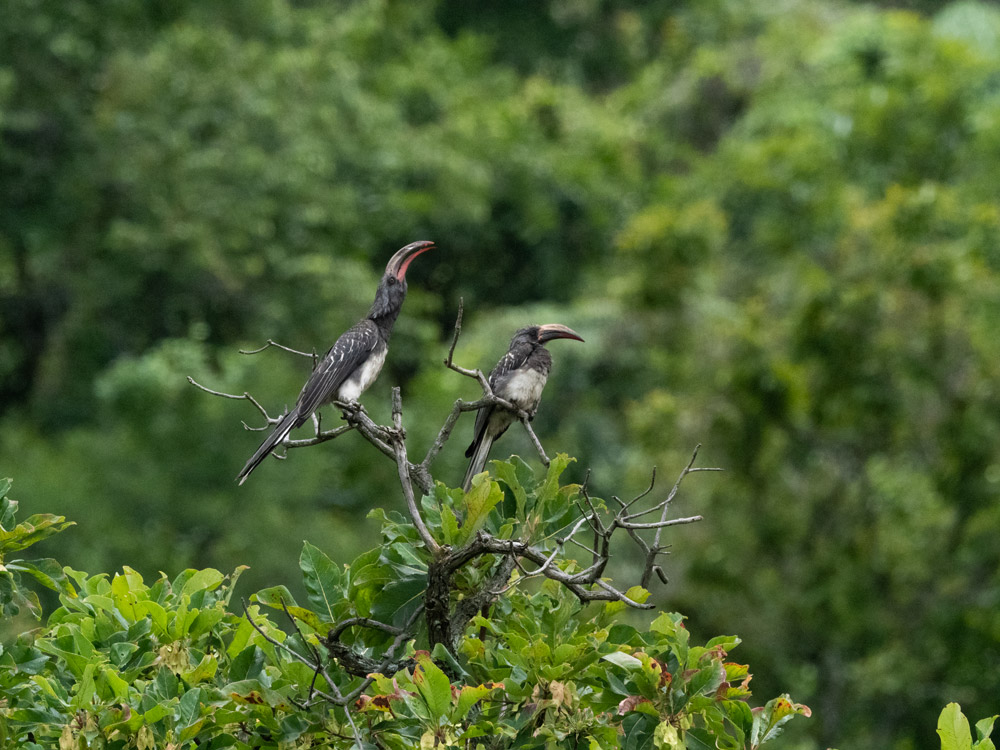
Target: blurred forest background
x=777 y=225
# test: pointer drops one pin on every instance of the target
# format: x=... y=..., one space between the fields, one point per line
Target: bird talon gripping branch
x=353 y=362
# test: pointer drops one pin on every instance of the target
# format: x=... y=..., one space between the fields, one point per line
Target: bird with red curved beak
x=354 y=361
x=518 y=378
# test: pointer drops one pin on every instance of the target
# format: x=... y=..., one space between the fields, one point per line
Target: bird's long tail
x=286 y=425
x=480 y=454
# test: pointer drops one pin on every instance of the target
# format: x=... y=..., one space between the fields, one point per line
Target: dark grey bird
x=518 y=378
x=354 y=361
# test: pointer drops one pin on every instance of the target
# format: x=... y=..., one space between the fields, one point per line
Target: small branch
x=525 y=420
x=271 y=342
x=458 y=332
x=659 y=524
x=244 y=397
x=677 y=485
x=363 y=666
x=365 y=622
x=320 y=669
x=337 y=701
x=653 y=551
x=398 y=441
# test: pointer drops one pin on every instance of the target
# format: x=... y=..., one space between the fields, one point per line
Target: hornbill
x=353 y=363
x=518 y=378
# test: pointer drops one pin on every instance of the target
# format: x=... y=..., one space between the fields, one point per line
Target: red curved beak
x=551 y=331
x=399 y=262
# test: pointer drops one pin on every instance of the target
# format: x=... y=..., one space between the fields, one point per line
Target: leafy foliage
x=953 y=728
x=16 y=537
x=122 y=663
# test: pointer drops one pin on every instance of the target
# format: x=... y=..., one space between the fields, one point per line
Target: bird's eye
x=392 y=280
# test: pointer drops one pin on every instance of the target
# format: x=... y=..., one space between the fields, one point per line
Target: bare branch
x=365 y=622
x=271 y=342
x=659 y=524
x=398 y=441
x=363 y=666
x=446 y=619
x=526 y=421
x=673 y=491
x=338 y=701
x=458 y=332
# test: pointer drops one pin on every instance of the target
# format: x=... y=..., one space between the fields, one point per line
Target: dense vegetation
x=776 y=225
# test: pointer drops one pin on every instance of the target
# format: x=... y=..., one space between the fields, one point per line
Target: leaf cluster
x=122 y=663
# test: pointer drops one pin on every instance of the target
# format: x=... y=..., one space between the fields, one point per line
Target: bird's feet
x=350 y=409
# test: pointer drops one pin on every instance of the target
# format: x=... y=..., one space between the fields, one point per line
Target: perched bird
x=353 y=363
x=518 y=378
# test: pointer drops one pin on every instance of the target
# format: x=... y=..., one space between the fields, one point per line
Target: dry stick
x=655 y=549
x=391 y=442
x=526 y=421
x=366 y=622
x=245 y=397
x=272 y=342
x=398 y=440
x=484 y=543
x=337 y=701
x=403 y=636
x=319 y=437
x=673 y=493
x=319 y=669
x=342 y=699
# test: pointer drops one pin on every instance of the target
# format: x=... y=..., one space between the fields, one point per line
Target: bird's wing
x=345 y=356
x=509 y=362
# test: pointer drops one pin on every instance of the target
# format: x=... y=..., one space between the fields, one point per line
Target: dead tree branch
x=361 y=665
x=446 y=618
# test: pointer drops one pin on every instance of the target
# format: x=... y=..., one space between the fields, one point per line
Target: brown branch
x=398 y=441
x=271 y=342
x=446 y=622
x=360 y=665
x=338 y=700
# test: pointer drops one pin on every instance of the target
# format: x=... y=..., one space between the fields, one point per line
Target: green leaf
x=638 y=731
x=117 y=686
x=984 y=728
x=442 y=655
x=433 y=685
x=667 y=737
x=953 y=727
x=548 y=492
x=85 y=688
x=33 y=530
x=189 y=707
x=274 y=596
x=449 y=527
x=205 y=670
x=47 y=572
x=311 y=619
x=468 y=696
x=507 y=472
x=623 y=660
x=207 y=579
x=156 y=613
x=707 y=679
x=323 y=579
x=767 y=723
x=479 y=501
x=8 y=507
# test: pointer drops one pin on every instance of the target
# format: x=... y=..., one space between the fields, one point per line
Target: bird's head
x=392 y=288
x=545 y=333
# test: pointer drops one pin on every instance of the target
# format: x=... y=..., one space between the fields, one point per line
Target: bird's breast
x=524 y=388
x=363 y=376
